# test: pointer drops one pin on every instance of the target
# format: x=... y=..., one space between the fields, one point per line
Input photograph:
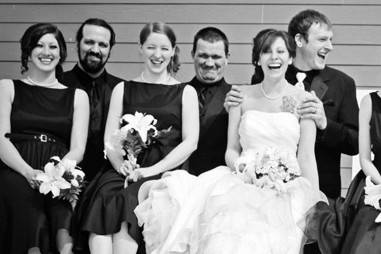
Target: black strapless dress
x=28 y=218
x=105 y=203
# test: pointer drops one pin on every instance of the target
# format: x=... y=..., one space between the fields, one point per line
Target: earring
x=299 y=44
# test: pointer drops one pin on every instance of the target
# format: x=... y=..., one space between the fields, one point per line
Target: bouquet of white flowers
x=267 y=168
x=62 y=178
x=138 y=131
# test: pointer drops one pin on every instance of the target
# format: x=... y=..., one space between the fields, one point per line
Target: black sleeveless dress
x=106 y=203
x=41 y=122
x=364 y=235
x=347 y=225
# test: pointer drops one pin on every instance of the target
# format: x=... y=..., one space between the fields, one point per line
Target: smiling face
x=46 y=54
x=94 y=48
x=210 y=61
x=156 y=52
x=313 y=52
x=274 y=61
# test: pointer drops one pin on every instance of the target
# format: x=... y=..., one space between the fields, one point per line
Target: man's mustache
x=95 y=54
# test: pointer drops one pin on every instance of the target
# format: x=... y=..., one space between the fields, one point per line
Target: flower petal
x=43 y=177
x=55 y=191
x=45 y=188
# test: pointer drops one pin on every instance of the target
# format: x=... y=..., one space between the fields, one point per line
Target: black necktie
x=94 y=113
x=202 y=96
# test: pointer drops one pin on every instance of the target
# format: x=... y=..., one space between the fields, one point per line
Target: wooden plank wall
x=357 y=32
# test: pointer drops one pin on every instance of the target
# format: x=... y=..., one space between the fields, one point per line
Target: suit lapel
x=319 y=86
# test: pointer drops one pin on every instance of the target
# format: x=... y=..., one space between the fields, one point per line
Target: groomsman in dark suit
x=210 y=55
x=332 y=103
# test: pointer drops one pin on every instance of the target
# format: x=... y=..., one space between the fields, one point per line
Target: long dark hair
x=162 y=28
x=262 y=42
x=30 y=39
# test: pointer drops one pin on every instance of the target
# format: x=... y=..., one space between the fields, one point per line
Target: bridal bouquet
x=268 y=168
x=62 y=178
x=138 y=131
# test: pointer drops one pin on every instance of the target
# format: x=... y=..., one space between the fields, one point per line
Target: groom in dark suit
x=333 y=105
x=210 y=56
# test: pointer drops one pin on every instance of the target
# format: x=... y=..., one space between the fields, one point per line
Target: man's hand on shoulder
x=233 y=98
x=312 y=108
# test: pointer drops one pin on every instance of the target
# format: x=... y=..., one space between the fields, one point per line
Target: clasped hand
x=31 y=177
x=312 y=108
x=133 y=173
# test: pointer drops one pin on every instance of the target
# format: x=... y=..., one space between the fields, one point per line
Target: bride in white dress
x=256 y=204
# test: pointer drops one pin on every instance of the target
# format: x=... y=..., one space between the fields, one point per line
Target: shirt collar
x=198 y=84
x=87 y=78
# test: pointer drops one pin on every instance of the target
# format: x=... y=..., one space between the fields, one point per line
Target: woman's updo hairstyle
x=162 y=28
x=262 y=42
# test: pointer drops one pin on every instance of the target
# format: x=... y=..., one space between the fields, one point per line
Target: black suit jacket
x=212 y=142
x=338 y=94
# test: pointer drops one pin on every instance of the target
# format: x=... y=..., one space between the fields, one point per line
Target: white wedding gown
x=217 y=213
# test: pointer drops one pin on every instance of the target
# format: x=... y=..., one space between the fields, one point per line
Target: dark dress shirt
x=212 y=142
x=99 y=91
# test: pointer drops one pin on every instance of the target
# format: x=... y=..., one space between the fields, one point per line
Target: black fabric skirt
x=105 y=205
x=330 y=225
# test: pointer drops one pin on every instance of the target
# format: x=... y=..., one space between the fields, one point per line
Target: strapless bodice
x=259 y=130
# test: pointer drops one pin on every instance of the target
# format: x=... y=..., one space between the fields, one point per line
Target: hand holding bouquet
x=138 y=131
x=373 y=196
x=267 y=168
x=62 y=178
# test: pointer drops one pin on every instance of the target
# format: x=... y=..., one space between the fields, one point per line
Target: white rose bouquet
x=267 y=168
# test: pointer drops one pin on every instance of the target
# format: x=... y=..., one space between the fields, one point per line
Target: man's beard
x=91 y=66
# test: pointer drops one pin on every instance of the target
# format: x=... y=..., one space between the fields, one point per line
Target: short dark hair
x=163 y=28
x=262 y=42
x=96 y=22
x=301 y=22
x=211 y=34
x=31 y=37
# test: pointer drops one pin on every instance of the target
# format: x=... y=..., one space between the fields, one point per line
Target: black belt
x=43 y=138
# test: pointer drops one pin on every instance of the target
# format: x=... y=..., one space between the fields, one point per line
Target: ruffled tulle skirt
x=218 y=213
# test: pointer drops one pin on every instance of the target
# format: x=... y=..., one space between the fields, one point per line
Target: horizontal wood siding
x=357 y=33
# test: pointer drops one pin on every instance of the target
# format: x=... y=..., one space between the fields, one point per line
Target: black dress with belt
x=41 y=123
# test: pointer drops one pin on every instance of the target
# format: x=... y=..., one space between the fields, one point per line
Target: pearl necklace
x=274 y=97
x=164 y=83
x=48 y=85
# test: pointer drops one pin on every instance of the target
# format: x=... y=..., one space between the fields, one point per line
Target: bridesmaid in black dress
x=348 y=226
x=39 y=118
x=364 y=234
x=107 y=208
